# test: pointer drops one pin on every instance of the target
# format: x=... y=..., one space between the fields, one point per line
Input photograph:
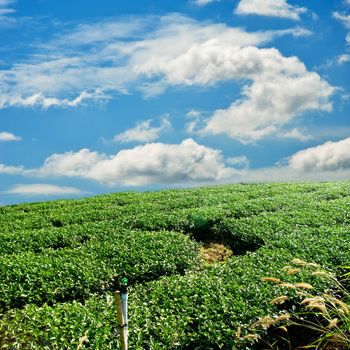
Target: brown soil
x=214 y=252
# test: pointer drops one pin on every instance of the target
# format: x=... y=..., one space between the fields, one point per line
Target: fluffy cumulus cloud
x=99 y=60
x=144 y=131
x=6 y=136
x=222 y=55
x=274 y=8
x=281 y=91
x=326 y=162
x=187 y=162
x=30 y=190
x=331 y=156
x=170 y=51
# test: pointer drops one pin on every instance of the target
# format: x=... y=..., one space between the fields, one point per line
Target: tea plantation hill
x=58 y=259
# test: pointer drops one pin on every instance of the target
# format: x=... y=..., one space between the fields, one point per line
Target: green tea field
x=199 y=262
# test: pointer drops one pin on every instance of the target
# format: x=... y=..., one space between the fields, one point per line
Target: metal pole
x=121 y=299
x=124 y=298
x=122 y=322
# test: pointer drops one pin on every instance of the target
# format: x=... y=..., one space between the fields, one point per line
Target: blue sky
x=106 y=96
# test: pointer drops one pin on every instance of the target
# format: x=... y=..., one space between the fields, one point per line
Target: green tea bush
x=57 y=260
x=198 y=310
x=68 y=274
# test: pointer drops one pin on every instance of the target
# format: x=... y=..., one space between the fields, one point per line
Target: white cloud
x=5 y=11
x=144 y=132
x=193 y=125
x=345 y=19
x=106 y=31
x=193 y=113
x=187 y=162
x=296 y=134
x=8 y=136
x=336 y=61
x=327 y=162
x=38 y=100
x=298 y=32
x=286 y=173
x=240 y=161
x=273 y=8
x=219 y=57
x=11 y=170
x=331 y=156
x=341 y=59
x=42 y=190
x=281 y=91
x=203 y=2
x=99 y=60
x=70 y=164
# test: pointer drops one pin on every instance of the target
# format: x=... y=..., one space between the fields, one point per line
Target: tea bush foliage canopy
x=58 y=259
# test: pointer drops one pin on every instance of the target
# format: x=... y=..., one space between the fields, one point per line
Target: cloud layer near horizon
x=31 y=190
x=151 y=163
x=330 y=156
x=188 y=163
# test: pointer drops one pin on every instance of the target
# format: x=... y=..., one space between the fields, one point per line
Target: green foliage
x=57 y=259
x=72 y=274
